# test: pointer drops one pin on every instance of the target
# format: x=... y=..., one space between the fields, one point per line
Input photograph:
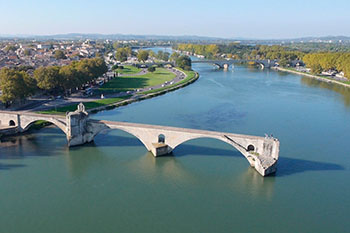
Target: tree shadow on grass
x=122 y=83
x=162 y=73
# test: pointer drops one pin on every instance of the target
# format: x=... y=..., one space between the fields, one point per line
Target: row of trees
x=164 y=56
x=319 y=62
x=123 y=53
x=17 y=85
x=209 y=51
x=238 y=51
x=142 y=55
x=275 y=52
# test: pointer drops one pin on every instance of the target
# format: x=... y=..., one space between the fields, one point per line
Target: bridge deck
x=139 y=125
x=33 y=114
x=174 y=129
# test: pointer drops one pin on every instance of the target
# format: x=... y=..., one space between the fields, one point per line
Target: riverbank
x=191 y=76
x=111 y=103
x=323 y=79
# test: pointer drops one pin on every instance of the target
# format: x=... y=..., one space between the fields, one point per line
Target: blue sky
x=220 y=18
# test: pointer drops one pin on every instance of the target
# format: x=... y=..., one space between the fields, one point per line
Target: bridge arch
x=217 y=65
x=214 y=139
x=241 y=148
x=12 y=123
x=250 y=148
x=161 y=138
x=261 y=64
x=107 y=129
x=57 y=123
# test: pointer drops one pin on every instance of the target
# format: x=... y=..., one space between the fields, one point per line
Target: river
x=115 y=185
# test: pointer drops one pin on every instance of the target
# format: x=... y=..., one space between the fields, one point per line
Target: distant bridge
x=224 y=64
x=261 y=152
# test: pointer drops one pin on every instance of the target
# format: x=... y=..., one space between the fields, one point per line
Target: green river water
x=115 y=185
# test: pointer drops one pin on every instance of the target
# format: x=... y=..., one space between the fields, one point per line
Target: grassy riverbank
x=88 y=105
x=102 y=104
x=128 y=83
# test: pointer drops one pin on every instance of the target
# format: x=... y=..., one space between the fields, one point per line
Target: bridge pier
x=78 y=132
x=160 y=149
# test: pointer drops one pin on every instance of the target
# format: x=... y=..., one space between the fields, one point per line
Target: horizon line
x=168 y=35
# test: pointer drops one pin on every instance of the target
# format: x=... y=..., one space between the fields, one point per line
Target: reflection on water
x=344 y=91
x=81 y=158
x=34 y=144
x=254 y=184
x=167 y=167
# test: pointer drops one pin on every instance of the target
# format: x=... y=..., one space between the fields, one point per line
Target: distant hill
x=182 y=38
x=80 y=36
x=325 y=39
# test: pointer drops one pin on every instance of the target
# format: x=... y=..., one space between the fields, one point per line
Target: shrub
x=151 y=69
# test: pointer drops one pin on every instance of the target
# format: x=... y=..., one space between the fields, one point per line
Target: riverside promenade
x=327 y=80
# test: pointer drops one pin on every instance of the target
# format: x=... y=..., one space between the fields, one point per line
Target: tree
x=283 y=62
x=163 y=55
x=69 y=77
x=27 y=52
x=152 y=54
x=211 y=50
x=122 y=54
x=115 y=45
x=160 y=54
x=184 y=62
x=151 y=69
x=59 y=54
x=142 y=55
x=49 y=79
x=15 y=85
x=174 y=56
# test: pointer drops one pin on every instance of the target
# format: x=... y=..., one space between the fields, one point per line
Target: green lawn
x=88 y=105
x=127 y=83
x=129 y=70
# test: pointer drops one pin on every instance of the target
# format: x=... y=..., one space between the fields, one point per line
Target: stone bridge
x=224 y=64
x=261 y=152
